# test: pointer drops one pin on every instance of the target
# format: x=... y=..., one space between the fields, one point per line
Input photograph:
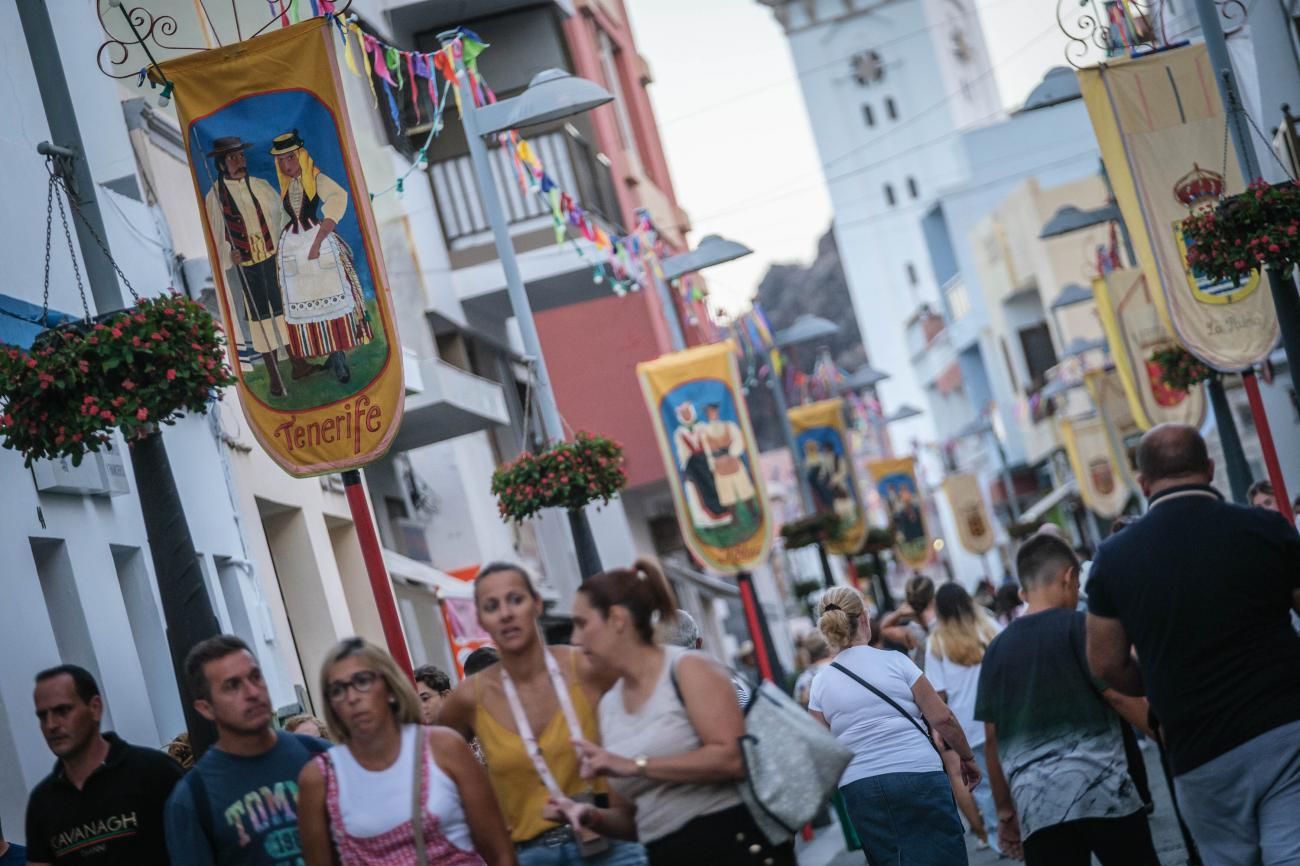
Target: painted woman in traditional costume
x=698 y=483
x=324 y=306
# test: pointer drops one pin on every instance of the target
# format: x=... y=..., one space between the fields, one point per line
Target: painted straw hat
x=286 y=143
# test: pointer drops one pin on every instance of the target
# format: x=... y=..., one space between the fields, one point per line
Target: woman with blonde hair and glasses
x=895 y=789
x=393 y=791
x=954 y=652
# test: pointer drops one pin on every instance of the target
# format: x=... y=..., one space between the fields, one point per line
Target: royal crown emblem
x=1198 y=186
x=1199 y=191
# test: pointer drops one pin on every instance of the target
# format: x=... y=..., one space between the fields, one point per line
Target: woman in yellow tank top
x=539 y=694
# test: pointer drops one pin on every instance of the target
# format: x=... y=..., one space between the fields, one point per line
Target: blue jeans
x=906 y=819
x=983 y=795
x=619 y=854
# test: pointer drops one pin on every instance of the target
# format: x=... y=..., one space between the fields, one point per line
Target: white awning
x=421 y=573
x=715 y=586
x=1048 y=502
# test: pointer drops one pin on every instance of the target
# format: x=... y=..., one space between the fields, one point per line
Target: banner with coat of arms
x=827 y=463
x=707 y=443
x=1134 y=331
x=294 y=247
x=1107 y=393
x=1161 y=128
x=1101 y=483
x=896 y=484
x=974 y=528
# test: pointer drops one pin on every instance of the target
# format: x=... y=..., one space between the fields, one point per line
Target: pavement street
x=827 y=849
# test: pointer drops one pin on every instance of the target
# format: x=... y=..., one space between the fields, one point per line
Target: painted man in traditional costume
x=324 y=306
x=692 y=453
x=246 y=216
x=726 y=451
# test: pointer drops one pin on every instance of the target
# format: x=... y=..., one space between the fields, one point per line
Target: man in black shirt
x=103 y=803
x=1203 y=589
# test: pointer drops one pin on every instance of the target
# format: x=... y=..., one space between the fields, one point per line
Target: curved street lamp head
x=806 y=329
x=711 y=250
x=864 y=377
x=553 y=94
x=902 y=413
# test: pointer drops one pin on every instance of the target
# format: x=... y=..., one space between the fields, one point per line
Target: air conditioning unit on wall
x=100 y=474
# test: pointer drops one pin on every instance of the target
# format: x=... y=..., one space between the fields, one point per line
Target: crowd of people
x=625 y=747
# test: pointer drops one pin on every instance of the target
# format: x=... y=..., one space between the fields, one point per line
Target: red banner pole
x=764 y=650
x=1266 y=444
x=380 y=585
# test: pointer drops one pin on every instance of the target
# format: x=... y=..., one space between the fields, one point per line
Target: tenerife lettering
x=347 y=426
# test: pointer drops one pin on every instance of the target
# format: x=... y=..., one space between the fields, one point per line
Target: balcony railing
x=570 y=162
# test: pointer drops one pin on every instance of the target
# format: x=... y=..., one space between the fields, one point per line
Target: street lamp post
x=712 y=250
x=551 y=95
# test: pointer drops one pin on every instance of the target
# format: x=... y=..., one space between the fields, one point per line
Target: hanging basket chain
x=528 y=403
x=103 y=246
x=49 y=231
x=56 y=180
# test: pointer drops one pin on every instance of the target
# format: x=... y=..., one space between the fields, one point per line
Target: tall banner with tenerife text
x=896 y=484
x=294 y=248
x=1161 y=128
x=828 y=466
x=974 y=528
x=707 y=443
x=1134 y=331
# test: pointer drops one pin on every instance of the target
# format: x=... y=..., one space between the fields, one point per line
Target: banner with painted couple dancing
x=294 y=248
x=699 y=415
x=828 y=465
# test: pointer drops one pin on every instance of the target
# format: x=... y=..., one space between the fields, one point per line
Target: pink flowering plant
x=1258 y=228
x=141 y=367
x=1180 y=370
x=565 y=475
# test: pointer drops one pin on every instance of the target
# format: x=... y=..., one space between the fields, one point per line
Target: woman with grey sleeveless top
x=671 y=729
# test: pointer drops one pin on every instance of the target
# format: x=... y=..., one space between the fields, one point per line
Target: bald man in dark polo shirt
x=1204 y=589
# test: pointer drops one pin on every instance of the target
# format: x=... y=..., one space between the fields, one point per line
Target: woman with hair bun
x=672 y=731
x=895 y=789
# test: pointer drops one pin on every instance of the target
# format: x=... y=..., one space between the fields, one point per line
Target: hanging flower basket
x=133 y=370
x=1256 y=228
x=807 y=531
x=565 y=475
x=1180 y=370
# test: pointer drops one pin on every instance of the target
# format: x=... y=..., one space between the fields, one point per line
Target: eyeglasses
x=362 y=681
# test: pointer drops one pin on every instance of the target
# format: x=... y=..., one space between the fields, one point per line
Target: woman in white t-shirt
x=953 y=654
x=895 y=790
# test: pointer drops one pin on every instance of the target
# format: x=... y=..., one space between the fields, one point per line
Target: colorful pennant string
x=626 y=262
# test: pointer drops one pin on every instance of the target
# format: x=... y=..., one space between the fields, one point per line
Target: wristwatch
x=642 y=762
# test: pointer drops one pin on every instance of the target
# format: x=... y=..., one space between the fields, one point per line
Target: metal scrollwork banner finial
x=136 y=35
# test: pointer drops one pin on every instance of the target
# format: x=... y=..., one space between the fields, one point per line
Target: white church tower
x=889 y=85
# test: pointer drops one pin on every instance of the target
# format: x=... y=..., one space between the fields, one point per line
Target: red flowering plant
x=136 y=369
x=1258 y=228
x=1180 y=370
x=565 y=475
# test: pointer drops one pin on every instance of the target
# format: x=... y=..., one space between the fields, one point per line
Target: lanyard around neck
x=526 y=730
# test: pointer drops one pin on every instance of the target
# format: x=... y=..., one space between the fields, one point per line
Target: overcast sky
x=734 y=125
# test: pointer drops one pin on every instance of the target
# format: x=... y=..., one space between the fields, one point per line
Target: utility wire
x=736 y=97
x=910 y=120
